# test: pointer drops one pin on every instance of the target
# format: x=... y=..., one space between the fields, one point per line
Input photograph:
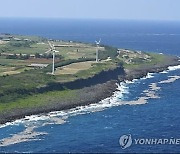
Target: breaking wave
x=115 y=100
x=173 y=68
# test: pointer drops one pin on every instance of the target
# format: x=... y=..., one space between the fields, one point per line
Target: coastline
x=85 y=96
x=89 y=93
x=140 y=72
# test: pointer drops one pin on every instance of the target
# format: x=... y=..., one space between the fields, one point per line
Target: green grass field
x=19 y=83
x=11 y=62
x=34 y=48
x=74 y=68
x=75 y=52
x=38 y=100
x=135 y=60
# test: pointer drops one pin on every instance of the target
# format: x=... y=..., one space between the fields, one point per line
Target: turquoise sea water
x=98 y=127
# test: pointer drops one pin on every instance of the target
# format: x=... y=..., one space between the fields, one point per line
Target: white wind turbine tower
x=54 y=51
x=97 y=47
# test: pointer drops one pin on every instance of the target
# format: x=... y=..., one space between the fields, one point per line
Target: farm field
x=74 y=68
x=21 y=51
x=28 y=81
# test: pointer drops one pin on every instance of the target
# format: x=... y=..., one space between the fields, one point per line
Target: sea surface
x=99 y=127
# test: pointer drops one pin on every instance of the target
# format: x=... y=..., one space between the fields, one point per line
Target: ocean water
x=98 y=127
x=156 y=36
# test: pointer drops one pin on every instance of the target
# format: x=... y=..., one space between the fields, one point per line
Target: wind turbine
x=97 y=46
x=52 y=48
x=54 y=51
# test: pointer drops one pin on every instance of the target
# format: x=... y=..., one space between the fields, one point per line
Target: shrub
x=109 y=52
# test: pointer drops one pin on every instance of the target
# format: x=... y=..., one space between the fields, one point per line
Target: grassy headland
x=29 y=90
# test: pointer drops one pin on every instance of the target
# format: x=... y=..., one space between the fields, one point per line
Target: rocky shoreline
x=140 y=72
x=91 y=93
x=85 y=96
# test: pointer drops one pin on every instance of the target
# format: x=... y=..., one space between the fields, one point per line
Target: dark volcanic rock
x=85 y=96
x=89 y=91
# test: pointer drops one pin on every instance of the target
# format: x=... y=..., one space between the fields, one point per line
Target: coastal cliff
x=76 y=80
x=142 y=71
x=87 y=91
x=82 y=97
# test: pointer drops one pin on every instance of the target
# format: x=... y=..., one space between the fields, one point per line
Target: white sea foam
x=170 y=80
x=170 y=68
x=59 y=117
x=148 y=76
x=29 y=134
x=128 y=82
x=106 y=103
x=122 y=87
x=33 y=120
x=164 y=72
x=173 y=68
x=115 y=100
